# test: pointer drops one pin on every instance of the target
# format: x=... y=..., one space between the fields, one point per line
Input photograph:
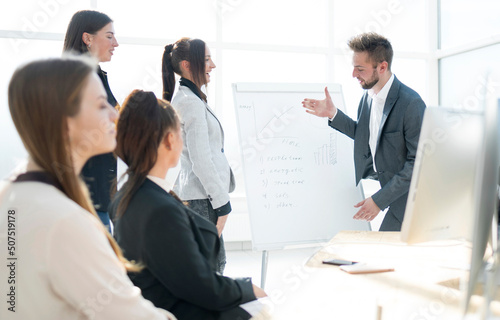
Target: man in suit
x=386 y=132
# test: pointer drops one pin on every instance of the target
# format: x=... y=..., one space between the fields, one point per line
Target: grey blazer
x=205 y=172
x=396 y=145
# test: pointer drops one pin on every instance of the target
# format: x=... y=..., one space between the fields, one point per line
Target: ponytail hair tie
x=169 y=48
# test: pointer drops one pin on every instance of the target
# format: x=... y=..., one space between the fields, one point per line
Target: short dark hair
x=89 y=21
x=379 y=49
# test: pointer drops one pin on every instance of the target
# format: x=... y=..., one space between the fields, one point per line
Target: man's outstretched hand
x=321 y=108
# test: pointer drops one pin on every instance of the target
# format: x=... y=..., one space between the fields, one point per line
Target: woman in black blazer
x=177 y=246
x=92 y=32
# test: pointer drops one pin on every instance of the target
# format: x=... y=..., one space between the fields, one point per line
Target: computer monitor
x=486 y=194
x=453 y=192
x=441 y=199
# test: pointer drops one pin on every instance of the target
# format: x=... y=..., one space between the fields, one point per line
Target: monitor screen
x=441 y=199
x=453 y=192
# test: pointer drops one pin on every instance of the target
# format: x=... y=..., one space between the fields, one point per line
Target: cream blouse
x=64 y=267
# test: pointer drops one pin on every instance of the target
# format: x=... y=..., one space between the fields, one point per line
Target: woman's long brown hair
x=143 y=124
x=42 y=95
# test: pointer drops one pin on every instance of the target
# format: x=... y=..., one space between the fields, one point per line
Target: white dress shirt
x=377 y=109
x=163 y=183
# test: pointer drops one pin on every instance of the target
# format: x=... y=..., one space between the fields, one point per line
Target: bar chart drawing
x=327 y=153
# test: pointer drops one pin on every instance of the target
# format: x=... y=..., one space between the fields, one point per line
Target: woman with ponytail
x=205 y=179
x=69 y=266
x=176 y=246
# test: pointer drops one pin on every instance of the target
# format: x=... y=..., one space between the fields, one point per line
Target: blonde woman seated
x=65 y=264
x=177 y=246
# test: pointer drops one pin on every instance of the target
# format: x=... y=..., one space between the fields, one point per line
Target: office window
x=465 y=22
x=278 y=22
x=405 y=23
x=470 y=47
x=153 y=19
x=464 y=85
x=31 y=17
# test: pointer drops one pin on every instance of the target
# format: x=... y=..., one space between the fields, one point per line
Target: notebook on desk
x=363 y=267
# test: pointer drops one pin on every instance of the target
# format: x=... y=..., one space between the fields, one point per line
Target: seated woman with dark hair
x=177 y=246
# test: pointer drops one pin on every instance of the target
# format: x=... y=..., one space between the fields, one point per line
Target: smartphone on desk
x=338 y=262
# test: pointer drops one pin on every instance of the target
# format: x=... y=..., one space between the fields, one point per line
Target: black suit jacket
x=99 y=172
x=178 y=248
x=396 y=146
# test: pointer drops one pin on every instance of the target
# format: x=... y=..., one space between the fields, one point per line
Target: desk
x=423 y=285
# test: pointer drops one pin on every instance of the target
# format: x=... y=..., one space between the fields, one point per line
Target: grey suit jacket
x=396 y=145
x=205 y=172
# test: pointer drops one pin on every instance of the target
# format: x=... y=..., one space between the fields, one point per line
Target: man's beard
x=369 y=85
